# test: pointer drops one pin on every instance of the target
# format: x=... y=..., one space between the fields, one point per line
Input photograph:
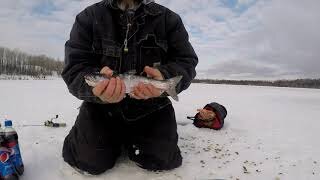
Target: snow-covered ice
x=271 y=132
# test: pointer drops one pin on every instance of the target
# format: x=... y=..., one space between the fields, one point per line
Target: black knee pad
x=89 y=159
x=95 y=169
x=156 y=160
x=152 y=164
x=95 y=166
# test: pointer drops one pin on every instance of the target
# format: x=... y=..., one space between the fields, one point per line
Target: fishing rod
x=48 y=123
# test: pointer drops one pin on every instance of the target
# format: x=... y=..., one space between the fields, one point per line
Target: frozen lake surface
x=272 y=132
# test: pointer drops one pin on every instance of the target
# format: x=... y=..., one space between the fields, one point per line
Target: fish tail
x=172 y=87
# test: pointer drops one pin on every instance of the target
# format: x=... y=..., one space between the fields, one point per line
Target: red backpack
x=217 y=122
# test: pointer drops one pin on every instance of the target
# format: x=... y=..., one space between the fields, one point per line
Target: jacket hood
x=149 y=7
x=113 y=3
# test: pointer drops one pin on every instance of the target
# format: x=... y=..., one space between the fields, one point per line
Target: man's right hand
x=112 y=90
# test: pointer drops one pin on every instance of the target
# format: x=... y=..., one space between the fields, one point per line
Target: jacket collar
x=148 y=5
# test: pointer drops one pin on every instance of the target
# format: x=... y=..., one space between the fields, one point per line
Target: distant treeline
x=298 y=83
x=15 y=62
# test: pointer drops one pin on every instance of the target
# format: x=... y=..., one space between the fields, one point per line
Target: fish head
x=93 y=79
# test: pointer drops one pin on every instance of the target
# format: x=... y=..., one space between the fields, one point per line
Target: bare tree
x=15 y=62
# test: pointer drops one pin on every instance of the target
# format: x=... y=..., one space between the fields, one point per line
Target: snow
x=270 y=131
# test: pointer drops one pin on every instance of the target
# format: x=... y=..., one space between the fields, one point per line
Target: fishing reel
x=50 y=123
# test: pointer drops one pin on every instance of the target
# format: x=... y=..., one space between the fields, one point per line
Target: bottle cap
x=8 y=123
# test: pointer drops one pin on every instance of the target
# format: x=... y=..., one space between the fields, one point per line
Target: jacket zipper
x=125 y=48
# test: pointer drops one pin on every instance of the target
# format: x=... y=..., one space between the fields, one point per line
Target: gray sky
x=234 y=39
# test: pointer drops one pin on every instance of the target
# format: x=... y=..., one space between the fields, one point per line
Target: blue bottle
x=7 y=170
x=11 y=142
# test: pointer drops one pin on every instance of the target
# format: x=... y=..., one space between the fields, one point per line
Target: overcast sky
x=234 y=39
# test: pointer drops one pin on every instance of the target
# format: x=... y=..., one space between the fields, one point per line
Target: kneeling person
x=121 y=36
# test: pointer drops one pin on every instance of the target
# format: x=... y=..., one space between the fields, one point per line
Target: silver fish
x=130 y=81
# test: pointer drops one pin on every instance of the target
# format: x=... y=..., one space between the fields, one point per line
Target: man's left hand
x=146 y=91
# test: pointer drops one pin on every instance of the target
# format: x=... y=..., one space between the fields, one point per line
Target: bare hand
x=112 y=90
x=106 y=71
x=206 y=114
x=146 y=91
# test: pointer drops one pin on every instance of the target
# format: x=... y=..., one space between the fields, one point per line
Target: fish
x=131 y=80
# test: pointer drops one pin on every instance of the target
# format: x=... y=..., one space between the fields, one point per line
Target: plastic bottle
x=7 y=170
x=11 y=142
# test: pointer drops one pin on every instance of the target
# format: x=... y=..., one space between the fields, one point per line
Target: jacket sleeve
x=80 y=59
x=182 y=58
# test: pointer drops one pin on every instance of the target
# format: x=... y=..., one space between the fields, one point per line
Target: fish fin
x=172 y=87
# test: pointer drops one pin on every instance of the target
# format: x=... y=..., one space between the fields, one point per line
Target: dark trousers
x=96 y=140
